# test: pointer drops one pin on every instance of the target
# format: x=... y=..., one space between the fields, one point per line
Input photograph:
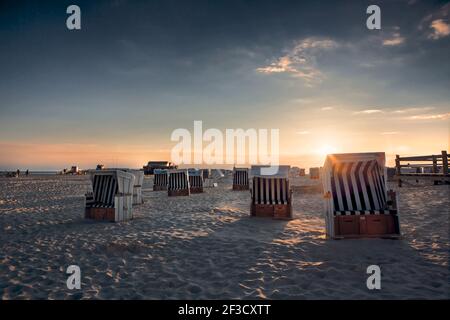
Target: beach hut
x=178 y=183
x=112 y=196
x=240 y=179
x=151 y=166
x=195 y=180
x=314 y=173
x=160 y=179
x=271 y=195
x=357 y=203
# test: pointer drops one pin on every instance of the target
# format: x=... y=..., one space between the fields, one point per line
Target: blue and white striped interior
x=178 y=180
x=240 y=177
x=270 y=190
x=358 y=188
x=105 y=188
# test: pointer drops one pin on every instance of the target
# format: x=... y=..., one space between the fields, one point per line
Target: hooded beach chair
x=195 y=180
x=112 y=196
x=314 y=173
x=240 y=179
x=357 y=203
x=271 y=195
x=178 y=183
x=160 y=179
x=302 y=172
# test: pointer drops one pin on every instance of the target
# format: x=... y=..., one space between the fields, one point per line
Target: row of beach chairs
x=356 y=200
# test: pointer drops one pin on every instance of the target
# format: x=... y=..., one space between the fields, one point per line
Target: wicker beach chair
x=357 y=203
x=240 y=179
x=271 y=195
x=112 y=196
x=178 y=183
x=160 y=178
x=195 y=180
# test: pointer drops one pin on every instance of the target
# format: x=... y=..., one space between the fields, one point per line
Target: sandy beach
x=207 y=247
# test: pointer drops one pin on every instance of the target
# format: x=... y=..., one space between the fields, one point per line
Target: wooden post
x=397 y=169
x=435 y=169
x=434 y=164
x=444 y=163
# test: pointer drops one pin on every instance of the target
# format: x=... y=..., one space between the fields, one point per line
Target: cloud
x=327 y=108
x=437 y=23
x=303 y=132
x=440 y=29
x=368 y=111
x=413 y=110
x=300 y=61
x=395 y=40
x=443 y=116
x=389 y=133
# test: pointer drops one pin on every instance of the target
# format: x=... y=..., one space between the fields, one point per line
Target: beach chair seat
x=160 y=178
x=111 y=198
x=240 y=179
x=271 y=195
x=178 y=183
x=195 y=180
x=356 y=199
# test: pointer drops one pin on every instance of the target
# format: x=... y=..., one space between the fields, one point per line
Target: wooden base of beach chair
x=159 y=188
x=175 y=193
x=100 y=214
x=366 y=226
x=196 y=189
x=276 y=211
x=238 y=187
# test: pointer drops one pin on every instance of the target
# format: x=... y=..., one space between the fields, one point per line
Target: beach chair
x=160 y=179
x=271 y=195
x=302 y=172
x=314 y=173
x=357 y=203
x=178 y=183
x=195 y=180
x=240 y=179
x=111 y=198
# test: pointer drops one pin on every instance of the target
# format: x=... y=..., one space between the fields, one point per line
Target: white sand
x=207 y=246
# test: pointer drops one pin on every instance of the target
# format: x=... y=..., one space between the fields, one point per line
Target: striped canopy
x=358 y=185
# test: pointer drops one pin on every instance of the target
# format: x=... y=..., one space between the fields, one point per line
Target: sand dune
x=207 y=247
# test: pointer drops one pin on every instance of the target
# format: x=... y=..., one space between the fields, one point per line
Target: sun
x=326 y=149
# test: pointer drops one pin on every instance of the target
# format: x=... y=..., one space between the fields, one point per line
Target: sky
x=114 y=91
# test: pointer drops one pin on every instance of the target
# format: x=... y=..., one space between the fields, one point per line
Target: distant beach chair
x=112 y=196
x=314 y=173
x=160 y=179
x=195 y=180
x=271 y=195
x=240 y=179
x=357 y=203
x=178 y=183
x=302 y=172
